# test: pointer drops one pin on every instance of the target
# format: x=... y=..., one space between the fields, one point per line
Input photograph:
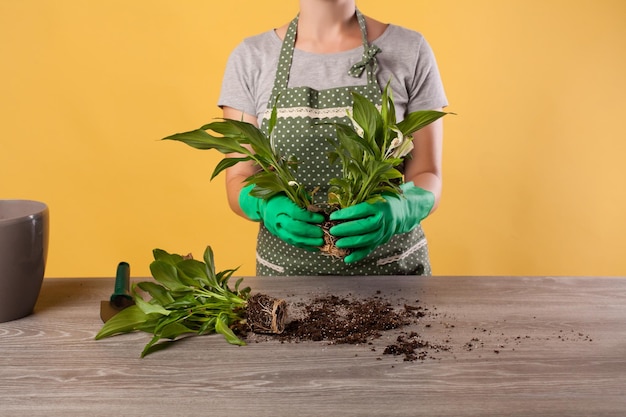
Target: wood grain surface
x=511 y=346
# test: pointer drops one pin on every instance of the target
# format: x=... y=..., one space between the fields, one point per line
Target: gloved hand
x=283 y=218
x=367 y=226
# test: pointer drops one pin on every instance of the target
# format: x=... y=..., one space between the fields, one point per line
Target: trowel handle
x=122 y=281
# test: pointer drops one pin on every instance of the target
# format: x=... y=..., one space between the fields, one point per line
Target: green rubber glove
x=366 y=226
x=283 y=218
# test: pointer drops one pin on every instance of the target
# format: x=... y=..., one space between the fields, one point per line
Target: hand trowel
x=121 y=298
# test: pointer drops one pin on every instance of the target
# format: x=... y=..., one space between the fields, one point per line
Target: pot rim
x=17 y=210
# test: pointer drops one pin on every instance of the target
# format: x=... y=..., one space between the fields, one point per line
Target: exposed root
x=329 y=248
x=266 y=314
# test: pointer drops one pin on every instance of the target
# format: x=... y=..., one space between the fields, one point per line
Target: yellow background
x=534 y=161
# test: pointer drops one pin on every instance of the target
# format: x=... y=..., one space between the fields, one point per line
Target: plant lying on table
x=190 y=297
x=370 y=150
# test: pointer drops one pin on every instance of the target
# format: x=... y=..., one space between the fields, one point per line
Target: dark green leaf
x=167 y=275
x=170 y=258
x=366 y=115
x=418 y=119
x=273 y=117
x=227 y=163
x=244 y=133
x=210 y=263
x=195 y=270
x=200 y=139
x=238 y=284
x=157 y=292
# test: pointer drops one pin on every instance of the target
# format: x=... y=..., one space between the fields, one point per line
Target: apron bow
x=369 y=54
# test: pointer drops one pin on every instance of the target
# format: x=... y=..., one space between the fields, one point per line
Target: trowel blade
x=108 y=310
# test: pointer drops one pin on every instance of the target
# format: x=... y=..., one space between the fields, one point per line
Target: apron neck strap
x=281 y=80
x=369 y=54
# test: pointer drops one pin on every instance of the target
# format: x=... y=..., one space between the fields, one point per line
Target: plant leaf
x=416 y=120
x=149 y=308
x=125 y=321
x=209 y=261
x=173 y=330
x=242 y=133
x=157 y=292
x=200 y=139
x=195 y=270
x=366 y=115
x=208 y=326
x=273 y=117
x=227 y=163
x=167 y=275
x=243 y=291
x=170 y=258
x=221 y=326
x=184 y=302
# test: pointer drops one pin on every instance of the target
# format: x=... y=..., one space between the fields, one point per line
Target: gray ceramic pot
x=23 y=252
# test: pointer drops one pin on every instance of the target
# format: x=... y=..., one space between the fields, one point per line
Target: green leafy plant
x=241 y=141
x=190 y=297
x=371 y=149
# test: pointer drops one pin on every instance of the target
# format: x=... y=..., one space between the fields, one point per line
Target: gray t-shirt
x=405 y=58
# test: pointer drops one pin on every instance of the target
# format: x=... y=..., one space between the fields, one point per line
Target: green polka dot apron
x=301 y=130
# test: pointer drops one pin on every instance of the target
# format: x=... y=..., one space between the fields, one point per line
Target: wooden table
x=517 y=346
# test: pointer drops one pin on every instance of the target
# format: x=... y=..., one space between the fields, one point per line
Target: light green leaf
x=184 y=302
x=125 y=321
x=149 y=308
x=221 y=326
x=208 y=326
x=377 y=198
x=173 y=330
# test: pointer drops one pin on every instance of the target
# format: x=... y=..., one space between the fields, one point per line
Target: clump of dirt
x=265 y=314
x=345 y=320
x=341 y=320
x=413 y=347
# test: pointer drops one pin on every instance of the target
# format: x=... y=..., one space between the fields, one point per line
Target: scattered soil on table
x=402 y=329
x=341 y=320
x=345 y=320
